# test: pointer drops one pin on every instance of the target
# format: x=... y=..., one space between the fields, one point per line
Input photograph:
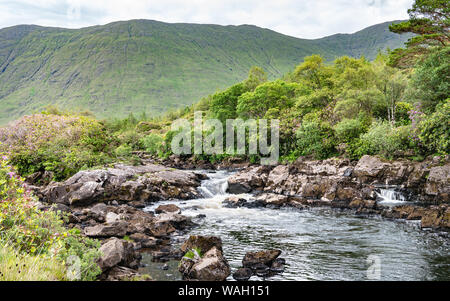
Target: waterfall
x=216 y=185
x=390 y=196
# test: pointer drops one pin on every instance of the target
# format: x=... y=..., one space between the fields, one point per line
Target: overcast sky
x=299 y=18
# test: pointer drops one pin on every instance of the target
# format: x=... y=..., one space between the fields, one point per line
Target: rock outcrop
x=341 y=183
x=124 y=184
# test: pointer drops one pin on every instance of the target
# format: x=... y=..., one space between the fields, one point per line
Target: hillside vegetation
x=152 y=67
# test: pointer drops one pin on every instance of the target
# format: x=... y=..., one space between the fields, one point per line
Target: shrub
x=434 y=130
x=123 y=150
x=57 y=143
x=316 y=139
x=30 y=231
x=348 y=130
x=382 y=139
x=153 y=144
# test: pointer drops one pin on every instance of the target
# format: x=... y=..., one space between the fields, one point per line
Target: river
x=318 y=243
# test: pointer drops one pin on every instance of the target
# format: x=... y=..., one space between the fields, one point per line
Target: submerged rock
x=243 y=274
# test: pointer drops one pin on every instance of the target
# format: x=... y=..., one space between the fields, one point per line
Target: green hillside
x=149 y=66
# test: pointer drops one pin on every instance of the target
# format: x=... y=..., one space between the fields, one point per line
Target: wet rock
x=252 y=259
x=144 y=241
x=278 y=265
x=177 y=221
x=261 y=270
x=167 y=209
x=234 y=202
x=204 y=243
x=161 y=229
x=276 y=200
x=243 y=274
x=211 y=267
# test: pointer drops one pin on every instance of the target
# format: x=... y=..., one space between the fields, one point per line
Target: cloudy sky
x=299 y=18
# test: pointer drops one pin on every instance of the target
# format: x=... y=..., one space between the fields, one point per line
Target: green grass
x=16 y=266
x=149 y=66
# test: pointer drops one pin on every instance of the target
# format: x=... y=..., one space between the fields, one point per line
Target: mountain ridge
x=151 y=66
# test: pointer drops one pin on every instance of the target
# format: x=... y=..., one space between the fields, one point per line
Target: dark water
x=318 y=244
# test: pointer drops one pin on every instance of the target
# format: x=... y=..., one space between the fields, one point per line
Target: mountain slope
x=143 y=65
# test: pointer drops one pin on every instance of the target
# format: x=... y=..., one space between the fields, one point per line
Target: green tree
x=430 y=83
x=430 y=21
x=272 y=95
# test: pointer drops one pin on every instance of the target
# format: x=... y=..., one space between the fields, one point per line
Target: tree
x=430 y=21
x=256 y=77
x=430 y=84
x=272 y=95
x=313 y=73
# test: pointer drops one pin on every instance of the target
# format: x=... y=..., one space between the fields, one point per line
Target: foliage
x=430 y=83
x=153 y=143
x=434 y=130
x=316 y=139
x=42 y=234
x=429 y=20
x=382 y=139
x=57 y=143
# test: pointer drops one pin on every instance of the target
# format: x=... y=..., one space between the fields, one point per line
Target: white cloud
x=300 y=18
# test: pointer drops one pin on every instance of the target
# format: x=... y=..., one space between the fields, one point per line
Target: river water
x=318 y=244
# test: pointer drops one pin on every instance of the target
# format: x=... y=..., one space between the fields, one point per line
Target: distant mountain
x=143 y=65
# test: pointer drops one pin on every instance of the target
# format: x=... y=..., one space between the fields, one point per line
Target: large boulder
x=211 y=267
x=117 y=252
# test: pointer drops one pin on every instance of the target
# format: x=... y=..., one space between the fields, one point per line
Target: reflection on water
x=318 y=244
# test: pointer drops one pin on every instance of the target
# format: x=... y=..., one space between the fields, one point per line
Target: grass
x=16 y=266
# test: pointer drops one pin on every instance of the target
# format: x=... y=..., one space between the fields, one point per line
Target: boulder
x=234 y=202
x=167 y=209
x=211 y=267
x=204 y=243
x=114 y=252
x=273 y=199
x=116 y=229
x=252 y=259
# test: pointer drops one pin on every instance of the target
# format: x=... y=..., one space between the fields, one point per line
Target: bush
x=348 y=130
x=382 y=139
x=153 y=144
x=30 y=231
x=316 y=139
x=434 y=130
x=57 y=143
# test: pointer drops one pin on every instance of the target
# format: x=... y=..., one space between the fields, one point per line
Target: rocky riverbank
x=106 y=204
x=341 y=183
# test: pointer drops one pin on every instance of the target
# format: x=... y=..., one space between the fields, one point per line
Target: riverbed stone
x=204 y=243
x=167 y=209
x=243 y=274
x=266 y=257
